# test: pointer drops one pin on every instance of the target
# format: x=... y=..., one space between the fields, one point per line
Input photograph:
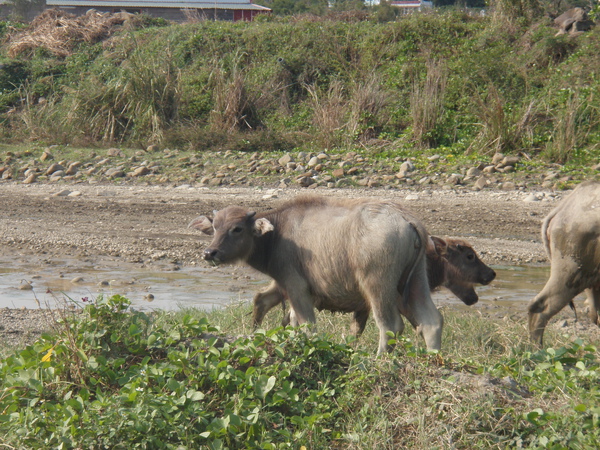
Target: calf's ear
x=441 y=246
x=202 y=223
x=262 y=226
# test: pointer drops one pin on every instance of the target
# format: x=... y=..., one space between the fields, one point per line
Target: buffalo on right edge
x=571 y=236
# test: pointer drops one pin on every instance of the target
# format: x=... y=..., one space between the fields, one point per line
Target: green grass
x=436 y=81
x=115 y=378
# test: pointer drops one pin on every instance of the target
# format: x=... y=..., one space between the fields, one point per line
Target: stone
x=305 y=181
x=62 y=193
x=407 y=166
x=510 y=160
x=73 y=168
x=112 y=152
x=473 y=172
x=509 y=186
x=480 y=183
x=46 y=156
x=532 y=198
x=152 y=148
x=313 y=161
x=338 y=173
x=411 y=197
x=54 y=168
x=30 y=178
x=453 y=179
x=25 y=285
x=285 y=160
x=433 y=158
x=140 y=171
x=489 y=169
x=497 y=158
x=115 y=173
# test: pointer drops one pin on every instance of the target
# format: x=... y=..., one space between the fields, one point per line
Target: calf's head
x=463 y=268
x=234 y=230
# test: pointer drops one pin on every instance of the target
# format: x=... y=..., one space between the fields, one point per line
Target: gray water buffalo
x=451 y=263
x=571 y=236
x=352 y=255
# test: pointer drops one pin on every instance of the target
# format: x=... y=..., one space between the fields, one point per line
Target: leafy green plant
x=119 y=378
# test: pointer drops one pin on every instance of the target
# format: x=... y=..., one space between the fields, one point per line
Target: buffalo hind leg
x=593 y=302
x=553 y=297
x=360 y=322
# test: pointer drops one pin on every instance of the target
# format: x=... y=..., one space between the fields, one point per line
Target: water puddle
x=54 y=283
x=160 y=287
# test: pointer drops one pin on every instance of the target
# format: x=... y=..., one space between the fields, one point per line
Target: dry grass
x=59 y=32
x=329 y=111
x=427 y=101
x=572 y=124
x=501 y=130
x=368 y=105
x=231 y=100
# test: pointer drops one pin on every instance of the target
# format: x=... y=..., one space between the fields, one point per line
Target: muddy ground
x=147 y=225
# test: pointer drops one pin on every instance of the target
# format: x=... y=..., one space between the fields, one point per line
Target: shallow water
x=54 y=283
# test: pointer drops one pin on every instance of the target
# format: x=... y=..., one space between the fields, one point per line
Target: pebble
x=25 y=285
x=532 y=198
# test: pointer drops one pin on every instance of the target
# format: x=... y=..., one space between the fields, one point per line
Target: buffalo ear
x=441 y=246
x=262 y=226
x=202 y=223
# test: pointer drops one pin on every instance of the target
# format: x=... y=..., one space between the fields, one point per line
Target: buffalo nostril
x=209 y=254
x=489 y=278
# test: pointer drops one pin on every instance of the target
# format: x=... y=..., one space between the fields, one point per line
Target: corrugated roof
x=181 y=4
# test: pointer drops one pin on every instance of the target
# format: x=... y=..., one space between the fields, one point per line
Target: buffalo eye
x=470 y=256
x=237 y=230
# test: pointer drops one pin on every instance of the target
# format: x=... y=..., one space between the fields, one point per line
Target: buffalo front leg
x=302 y=309
x=266 y=300
x=387 y=317
x=419 y=309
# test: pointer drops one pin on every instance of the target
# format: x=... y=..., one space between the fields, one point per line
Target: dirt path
x=149 y=223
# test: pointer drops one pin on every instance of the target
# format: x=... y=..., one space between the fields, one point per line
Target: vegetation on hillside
x=447 y=80
x=114 y=378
